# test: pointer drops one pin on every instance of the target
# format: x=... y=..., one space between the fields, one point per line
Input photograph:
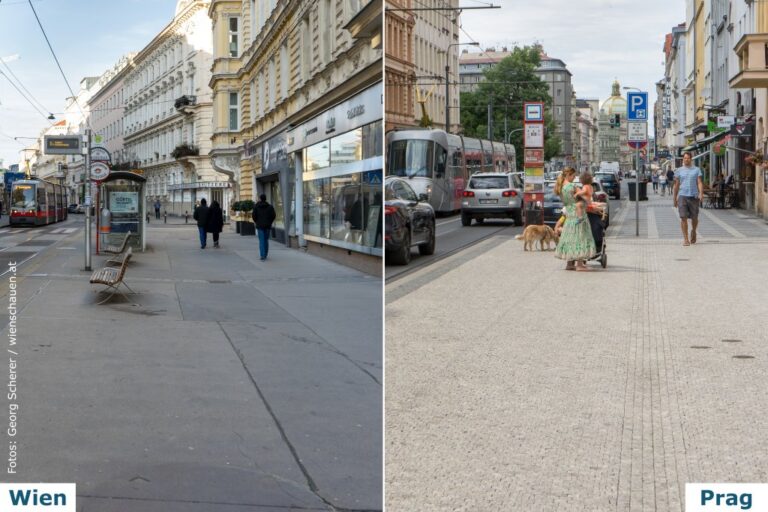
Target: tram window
x=23 y=196
x=41 y=199
x=442 y=156
x=411 y=158
x=456 y=159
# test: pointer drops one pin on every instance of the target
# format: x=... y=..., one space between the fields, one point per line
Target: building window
x=234 y=112
x=272 y=82
x=284 y=70
x=253 y=101
x=306 y=48
x=327 y=23
x=234 y=36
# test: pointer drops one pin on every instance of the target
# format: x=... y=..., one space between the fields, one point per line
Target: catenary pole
x=88 y=200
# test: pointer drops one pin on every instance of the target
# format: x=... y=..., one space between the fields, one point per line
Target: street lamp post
x=506 y=137
x=447 y=82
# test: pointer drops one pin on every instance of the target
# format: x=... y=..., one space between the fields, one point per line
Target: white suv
x=492 y=195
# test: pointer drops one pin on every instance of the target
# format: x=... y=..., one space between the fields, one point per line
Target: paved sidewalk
x=513 y=384
x=233 y=385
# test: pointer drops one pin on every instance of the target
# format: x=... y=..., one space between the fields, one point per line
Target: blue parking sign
x=637 y=106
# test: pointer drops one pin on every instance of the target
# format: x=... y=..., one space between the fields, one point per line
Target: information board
x=124 y=202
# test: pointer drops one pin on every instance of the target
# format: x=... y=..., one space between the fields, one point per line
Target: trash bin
x=643 y=191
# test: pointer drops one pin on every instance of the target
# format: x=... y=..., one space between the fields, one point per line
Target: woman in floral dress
x=576 y=244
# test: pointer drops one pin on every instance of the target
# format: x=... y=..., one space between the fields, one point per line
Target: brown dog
x=542 y=234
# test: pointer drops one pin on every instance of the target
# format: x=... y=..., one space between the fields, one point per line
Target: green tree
x=507 y=86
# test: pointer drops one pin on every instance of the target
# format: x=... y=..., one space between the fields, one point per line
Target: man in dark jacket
x=201 y=216
x=263 y=216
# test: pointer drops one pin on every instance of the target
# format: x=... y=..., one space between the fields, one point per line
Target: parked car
x=611 y=183
x=72 y=208
x=492 y=195
x=553 y=205
x=408 y=220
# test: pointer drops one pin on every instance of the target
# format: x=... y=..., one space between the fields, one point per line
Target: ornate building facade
x=298 y=103
x=400 y=74
x=167 y=125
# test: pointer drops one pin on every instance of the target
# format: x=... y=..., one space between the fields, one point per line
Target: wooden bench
x=116 y=250
x=112 y=277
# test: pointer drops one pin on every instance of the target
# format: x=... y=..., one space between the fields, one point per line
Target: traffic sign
x=638 y=145
x=637 y=131
x=100 y=154
x=99 y=171
x=534 y=112
x=637 y=106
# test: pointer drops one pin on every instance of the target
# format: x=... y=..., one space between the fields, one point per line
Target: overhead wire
x=74 y=96
x=24 y=95
x=22 y=84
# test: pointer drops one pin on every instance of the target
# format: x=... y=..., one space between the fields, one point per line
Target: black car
x=553 y=205
x=610 y=184
x=72 y=208
x=408 y=220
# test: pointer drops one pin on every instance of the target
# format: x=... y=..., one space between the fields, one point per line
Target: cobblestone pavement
x=512 y=384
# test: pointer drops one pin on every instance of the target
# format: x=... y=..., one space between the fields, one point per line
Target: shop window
x=372 y=140
x=317 y=207
x=317 y=156
x=347 y=147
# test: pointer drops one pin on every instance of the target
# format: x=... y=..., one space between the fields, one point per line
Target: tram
x=36 y=202
x=439 y=164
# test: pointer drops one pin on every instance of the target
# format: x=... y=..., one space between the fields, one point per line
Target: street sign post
x=533 y=140
x=637 y=137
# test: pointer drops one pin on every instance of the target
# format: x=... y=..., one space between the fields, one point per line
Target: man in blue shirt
x=688 y=193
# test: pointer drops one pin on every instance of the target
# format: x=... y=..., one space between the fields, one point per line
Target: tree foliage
x=507 y=86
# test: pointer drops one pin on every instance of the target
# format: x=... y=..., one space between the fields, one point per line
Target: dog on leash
x=538 y=233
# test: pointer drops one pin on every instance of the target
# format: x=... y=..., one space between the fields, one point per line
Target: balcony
x=752 y=50
x=184 y=101
x=185 y=150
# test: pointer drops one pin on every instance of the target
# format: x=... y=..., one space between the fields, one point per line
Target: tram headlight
x=429 y=190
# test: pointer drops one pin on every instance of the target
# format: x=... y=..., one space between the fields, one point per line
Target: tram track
x=425 y=262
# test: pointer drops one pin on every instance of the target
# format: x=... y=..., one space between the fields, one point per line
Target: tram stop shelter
x=121 y=209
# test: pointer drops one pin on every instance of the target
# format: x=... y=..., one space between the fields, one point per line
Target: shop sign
x=274 y=154
x=361 y=109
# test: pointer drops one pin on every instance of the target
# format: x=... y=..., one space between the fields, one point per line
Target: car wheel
x=403 y=255
x=428 y=248
x=518 y=217
x=466 y=219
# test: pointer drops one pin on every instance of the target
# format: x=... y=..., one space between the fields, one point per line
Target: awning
x=705 y=141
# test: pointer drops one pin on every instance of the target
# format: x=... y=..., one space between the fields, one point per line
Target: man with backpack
x=263 y=216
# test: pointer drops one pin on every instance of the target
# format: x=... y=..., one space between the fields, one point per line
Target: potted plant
x=236 y=209
x=247 y=228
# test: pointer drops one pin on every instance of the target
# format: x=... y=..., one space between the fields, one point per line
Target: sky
x=598 y=40
x=88 y=36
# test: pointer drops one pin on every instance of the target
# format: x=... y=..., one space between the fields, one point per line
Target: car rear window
x=607 y=177
x=487 y=182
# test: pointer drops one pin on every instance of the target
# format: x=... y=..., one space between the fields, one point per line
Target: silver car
x=492 y=195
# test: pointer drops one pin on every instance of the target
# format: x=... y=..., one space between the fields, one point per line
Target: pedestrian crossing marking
x=62 y=231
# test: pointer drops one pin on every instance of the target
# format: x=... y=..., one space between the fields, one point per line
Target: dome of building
x=616 y=104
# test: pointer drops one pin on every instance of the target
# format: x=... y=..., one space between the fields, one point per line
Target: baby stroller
x=597 y=223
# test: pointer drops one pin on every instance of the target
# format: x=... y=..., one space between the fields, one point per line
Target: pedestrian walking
x=215 y=222
x=687 y=194
x=663 y=183
x=576 y=243
x=263 y=215
x=655 y=182
x=157 y=209
x=201 y=216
